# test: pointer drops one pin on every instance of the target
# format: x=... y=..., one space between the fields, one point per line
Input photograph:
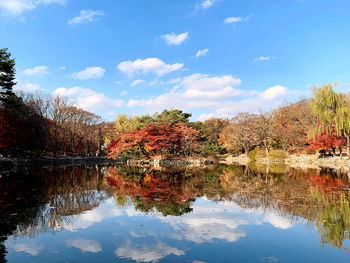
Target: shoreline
x=301 y=161
x=20 y=163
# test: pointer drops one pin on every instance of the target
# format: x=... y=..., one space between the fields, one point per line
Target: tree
x=165 y=138
x=325 y=141
x=172 y=116
x=291 y=124
x=263 y=128
x=124 y=123
x=240 y=133
x=21 y=127
x=7 y=74
x=190 y=138
x=333 y=112
x=210 y=130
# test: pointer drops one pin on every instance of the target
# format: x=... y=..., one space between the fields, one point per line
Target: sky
x=213 y=58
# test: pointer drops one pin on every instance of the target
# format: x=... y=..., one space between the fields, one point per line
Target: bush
x=257 y=153
x=277 y=155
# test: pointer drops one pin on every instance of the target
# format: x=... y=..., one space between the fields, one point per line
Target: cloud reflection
x=147 y=253
x=85 y=245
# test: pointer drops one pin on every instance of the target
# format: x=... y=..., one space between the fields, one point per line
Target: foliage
x=291 y=124
x=7 y=75
x=176 y=138
x=277 y=155
x=172 y=116
x=334 y=220
x=239 y=134
x=333 y=112
x=257 y=153
x=325 y=141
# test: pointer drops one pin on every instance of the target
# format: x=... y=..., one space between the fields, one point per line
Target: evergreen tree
x=7 y=74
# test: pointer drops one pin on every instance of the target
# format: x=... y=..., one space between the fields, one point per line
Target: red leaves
x=327 y=183
x=154 y=139
x=325 y=141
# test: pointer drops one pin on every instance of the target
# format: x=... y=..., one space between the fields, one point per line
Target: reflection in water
x=147 y=253
x=190 y=205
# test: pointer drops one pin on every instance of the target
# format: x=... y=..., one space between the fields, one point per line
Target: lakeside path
x=301 y=161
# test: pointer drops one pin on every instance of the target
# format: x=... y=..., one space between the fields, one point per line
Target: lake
x=183 y=214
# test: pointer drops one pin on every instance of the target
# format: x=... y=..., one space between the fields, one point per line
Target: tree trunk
x=348 y=146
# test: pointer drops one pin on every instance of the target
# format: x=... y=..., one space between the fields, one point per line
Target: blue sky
x=208 y=57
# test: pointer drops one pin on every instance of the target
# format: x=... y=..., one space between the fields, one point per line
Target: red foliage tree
x=325 y=141
x=157 y=139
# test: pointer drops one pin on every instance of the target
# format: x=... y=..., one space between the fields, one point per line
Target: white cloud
x=237 y=19
x=89 y=73
x=220 y=93
x=31 y=249
x=118 y=82
x=17 y=7
x=202 y=52
x=207 y=3
x=200 y=85
x=62 y=68
x=173 y=39
x=274 y=92
x=263 y=58
x=123 y=93
x=147 y=253
x=253 y=102
x=233 y=19
x=148 y=66
x=196 y=90
x=137 y=82
x=39 y=70
x=88 y=99
x=29 y=87
x=85 y=245
x=85 y=16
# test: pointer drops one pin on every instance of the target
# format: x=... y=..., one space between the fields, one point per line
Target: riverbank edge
x=18 y=163
x=170 y=162
x=301 y=161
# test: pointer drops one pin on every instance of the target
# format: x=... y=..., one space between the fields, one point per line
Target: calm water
x=213 y=214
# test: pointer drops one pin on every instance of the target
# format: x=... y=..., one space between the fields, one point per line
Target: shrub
x=277 y=155
x=257 y=153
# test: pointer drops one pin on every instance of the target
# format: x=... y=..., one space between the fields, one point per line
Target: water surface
x=212 y=214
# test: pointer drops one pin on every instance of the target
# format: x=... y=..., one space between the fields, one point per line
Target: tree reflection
x=45 y=200
x=288 y=191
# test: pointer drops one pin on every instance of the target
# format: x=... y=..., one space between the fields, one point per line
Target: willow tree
x=333 y=112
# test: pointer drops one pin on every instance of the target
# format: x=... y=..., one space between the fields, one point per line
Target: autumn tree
x=240 y=133
x=124 y=123
x=154 y=139
x=325 y=141
x=291 y=124
x=263 y=129
x=333 y=112
x=210 y=130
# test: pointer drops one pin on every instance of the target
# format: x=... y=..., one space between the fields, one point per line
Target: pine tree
x=7 y=74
